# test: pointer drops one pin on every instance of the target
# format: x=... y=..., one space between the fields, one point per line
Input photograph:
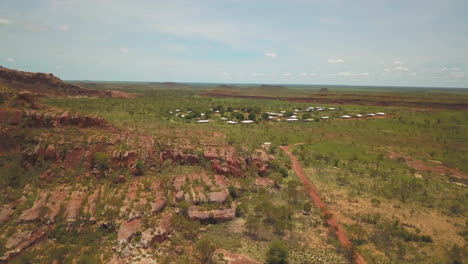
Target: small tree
x=205 y=248
x=277 y=253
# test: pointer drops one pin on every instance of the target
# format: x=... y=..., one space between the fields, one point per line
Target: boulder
x=158 y=205
x=210 y=153
x=179 y=181
x=218 y=215
x=64 y=118
x=179 y=196
x=218 y=197
x=218 y=167
x=127 y=230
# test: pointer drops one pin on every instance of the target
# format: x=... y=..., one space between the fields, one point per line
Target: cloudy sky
x=367 y=42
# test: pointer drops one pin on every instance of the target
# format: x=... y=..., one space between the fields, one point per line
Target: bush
x=101 y=160
x=277 y=253
x=205 y=248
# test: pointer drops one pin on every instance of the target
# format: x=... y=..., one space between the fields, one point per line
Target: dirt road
x=333 y=223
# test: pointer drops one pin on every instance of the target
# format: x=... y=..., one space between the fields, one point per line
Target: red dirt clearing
x=333 y=223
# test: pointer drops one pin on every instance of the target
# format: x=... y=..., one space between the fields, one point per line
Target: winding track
x=333 y=223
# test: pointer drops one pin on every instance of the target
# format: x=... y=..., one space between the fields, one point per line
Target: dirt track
x=333 y=223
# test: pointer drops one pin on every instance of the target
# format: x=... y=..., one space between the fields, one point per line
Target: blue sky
x=361 y=42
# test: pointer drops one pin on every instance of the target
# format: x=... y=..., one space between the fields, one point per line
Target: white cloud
x=4 y=21
x=10 y=59
x=64 y=28
x=124 y=50
x=397 y=62
x=35 y=28
x=271 y=54
x=387 y=70
x=413 y=74
x=303 y=74
x=287 y=74
x=350 y=74
x=335 y=60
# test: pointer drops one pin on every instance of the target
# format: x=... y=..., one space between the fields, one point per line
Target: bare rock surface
x=222 y=256
x=218 y=197
x=73 y=206
x=218 y=215
x=33 y=213
x=264 y=182
x=127 y=230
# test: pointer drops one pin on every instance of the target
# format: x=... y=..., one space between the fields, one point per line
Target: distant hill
x=48 y=84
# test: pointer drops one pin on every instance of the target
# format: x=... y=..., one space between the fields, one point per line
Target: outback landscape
x=140 y=172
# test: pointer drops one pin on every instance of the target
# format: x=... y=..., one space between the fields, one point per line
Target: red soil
x=333 y=223
x=323 y=98
x=422 y=166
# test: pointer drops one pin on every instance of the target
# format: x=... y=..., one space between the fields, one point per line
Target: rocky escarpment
x=48 y=84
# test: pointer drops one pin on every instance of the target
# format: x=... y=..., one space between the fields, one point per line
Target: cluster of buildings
x=288 y=116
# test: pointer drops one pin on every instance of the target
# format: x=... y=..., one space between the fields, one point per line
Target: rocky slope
x=48 y=84
x=84 y=175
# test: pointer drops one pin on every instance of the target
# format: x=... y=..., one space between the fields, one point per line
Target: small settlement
x=248 y=116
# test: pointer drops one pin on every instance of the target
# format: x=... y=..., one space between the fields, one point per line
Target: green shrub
x=277 y=253
x=101 y=160
x=205 y=248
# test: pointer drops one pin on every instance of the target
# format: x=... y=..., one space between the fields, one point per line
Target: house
x=308 y=120
x=325 y=117
x=223 y=118
x=370 y=114
x=247 y=122
x=345 y=116
x=266 y=145
x=292 y=119
x=359 y=115
x=203 y=121
x=331 y=108
x=231 y=122
x=380 y=113
x=282 y=111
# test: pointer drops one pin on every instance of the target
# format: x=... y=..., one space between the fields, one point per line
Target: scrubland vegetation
x=398 y=183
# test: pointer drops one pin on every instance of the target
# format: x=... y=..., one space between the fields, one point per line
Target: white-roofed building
x=247 y=122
